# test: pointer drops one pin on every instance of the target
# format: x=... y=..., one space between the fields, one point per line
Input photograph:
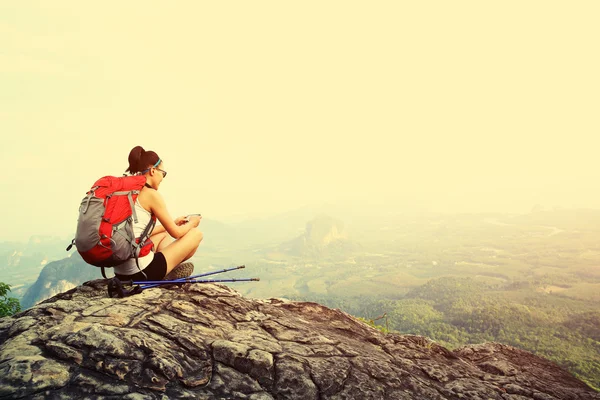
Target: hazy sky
x=259 y=107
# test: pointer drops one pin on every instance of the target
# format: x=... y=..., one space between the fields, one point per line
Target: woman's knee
x=195 y=234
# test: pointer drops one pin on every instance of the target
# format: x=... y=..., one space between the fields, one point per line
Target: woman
x=166 y=254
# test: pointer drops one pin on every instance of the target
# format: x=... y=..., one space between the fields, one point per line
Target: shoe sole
x=183 y=270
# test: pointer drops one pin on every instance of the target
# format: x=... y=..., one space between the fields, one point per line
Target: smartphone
x=187 y=217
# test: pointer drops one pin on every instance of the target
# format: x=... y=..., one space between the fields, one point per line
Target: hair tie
x=148 y=169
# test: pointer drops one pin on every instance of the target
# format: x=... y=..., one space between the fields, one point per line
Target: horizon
x=322 y=210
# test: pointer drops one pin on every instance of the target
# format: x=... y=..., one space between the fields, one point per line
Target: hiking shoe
x=183 y=270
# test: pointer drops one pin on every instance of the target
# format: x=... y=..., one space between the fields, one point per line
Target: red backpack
x=104 y=236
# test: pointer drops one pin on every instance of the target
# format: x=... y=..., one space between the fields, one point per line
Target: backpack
x=104 y=236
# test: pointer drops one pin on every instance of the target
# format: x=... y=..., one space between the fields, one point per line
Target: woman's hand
x=181 y=221
x=195 y=220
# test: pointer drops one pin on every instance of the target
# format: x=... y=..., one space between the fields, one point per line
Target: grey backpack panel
x=123 y=241
x=88 y=224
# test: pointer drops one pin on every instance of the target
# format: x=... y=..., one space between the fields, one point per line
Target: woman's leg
x=182 y=249
x=190 y=255
x=161 y=241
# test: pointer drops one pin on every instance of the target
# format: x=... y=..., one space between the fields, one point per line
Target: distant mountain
x=52 y=246
x=283 y=226
x=232 y=236
x=323 y=236
x=34 y=253
x=21 y=262
x=562 y=218
x=218 y=234
x=324 y=230
x=59 y=276
x=17 y=257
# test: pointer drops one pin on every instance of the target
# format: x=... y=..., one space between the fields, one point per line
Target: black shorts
x=155 y=271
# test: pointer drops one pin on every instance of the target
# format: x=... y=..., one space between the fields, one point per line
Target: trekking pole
x=150 y=284
x=154 y=284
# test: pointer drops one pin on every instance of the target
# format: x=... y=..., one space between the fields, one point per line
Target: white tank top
x=129 y=267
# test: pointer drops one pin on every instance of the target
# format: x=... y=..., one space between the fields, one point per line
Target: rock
x=208 y=342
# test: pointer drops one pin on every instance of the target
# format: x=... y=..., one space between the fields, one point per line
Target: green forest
x=8 y=305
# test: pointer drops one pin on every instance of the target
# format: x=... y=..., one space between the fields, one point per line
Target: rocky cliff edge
x=208 y=342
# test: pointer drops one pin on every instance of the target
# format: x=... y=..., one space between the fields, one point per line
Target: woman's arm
x=158 y=229
x=159 y=208
x=178 y=221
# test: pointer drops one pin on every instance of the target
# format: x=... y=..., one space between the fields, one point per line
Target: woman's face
x=158 y=174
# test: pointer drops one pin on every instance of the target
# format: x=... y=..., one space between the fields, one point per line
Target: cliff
x=207 y=341
x=60 y=276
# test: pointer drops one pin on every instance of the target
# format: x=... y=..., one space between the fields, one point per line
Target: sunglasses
x=163 y=172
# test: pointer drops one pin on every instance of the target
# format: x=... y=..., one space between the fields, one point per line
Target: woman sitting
x=166 y=255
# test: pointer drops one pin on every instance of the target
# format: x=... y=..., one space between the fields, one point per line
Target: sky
x=262 y=107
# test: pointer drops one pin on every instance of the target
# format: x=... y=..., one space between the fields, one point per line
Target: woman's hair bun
x=135 y=157
x=140 y=159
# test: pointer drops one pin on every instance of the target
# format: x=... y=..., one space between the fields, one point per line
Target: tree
x=8 y=305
